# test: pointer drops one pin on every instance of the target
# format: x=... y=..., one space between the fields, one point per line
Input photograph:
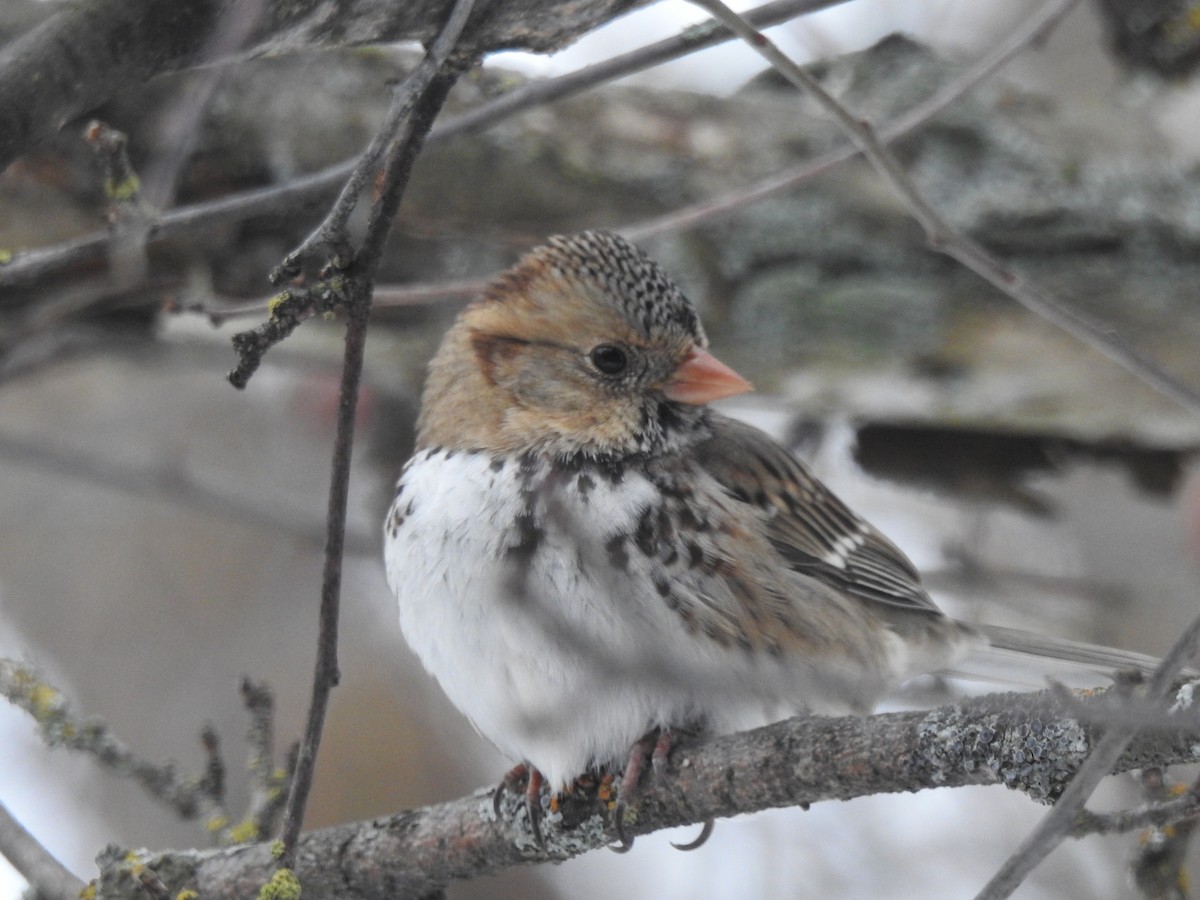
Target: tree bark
x=1028 y=742
x=91 y=50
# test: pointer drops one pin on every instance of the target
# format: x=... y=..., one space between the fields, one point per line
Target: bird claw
x=624 y=842
x=700 y=840
x=655 y=747
x=532 y=779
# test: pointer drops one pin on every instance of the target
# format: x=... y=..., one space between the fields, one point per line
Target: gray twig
x=421 y=97
x=190 y=797
x=1057 y=824
x=944 y=238
x=29 y=266
x=49 y=878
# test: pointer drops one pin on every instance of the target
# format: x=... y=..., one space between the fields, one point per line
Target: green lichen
x=244 y=832
x=284 y=885
x=278 y=300
x=216 y=823
x=44 y=701
x=187 y=894
x=277 y=849
x=6 y=256
x=121 y=189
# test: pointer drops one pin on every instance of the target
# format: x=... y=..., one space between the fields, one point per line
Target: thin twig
x=269 y=785
x=191 y=797
x=426 y=89
x=30 y=266
x=49 y=878
x=1151 y=815
x=690 y=216
x=1057 y=824
x=944 y=238
x=22 y=686
x=1025 y=34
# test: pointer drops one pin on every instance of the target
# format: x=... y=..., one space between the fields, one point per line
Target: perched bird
x=584 y=553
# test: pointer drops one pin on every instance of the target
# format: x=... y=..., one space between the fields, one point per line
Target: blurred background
x=161 y=533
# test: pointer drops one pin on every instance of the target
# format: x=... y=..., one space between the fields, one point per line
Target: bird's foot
x=655 y=748
x=525 y=779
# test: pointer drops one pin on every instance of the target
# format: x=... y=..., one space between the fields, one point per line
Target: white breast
x=541 y=658
x=558 y=656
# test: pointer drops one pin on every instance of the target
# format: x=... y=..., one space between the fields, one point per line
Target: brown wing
x=814 y=532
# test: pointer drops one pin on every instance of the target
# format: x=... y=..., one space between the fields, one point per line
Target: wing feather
x=813 y=531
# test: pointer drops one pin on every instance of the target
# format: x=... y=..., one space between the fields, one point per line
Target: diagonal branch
x=49 y=878
x=29 y=266
x=1058 y=823
x=944 y=238
x=1023 y=741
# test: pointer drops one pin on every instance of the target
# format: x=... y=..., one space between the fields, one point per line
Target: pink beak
x=702 y=378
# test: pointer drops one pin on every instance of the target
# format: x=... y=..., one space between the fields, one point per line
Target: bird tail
x=1014 y=657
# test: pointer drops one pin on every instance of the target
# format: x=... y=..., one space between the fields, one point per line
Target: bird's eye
x=609 y=359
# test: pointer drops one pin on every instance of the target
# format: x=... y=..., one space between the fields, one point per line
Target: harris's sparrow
x=584 y=552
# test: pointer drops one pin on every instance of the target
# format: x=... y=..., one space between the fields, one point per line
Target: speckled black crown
x=644 y=293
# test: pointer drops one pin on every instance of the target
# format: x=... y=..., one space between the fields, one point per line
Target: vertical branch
x=426 y=90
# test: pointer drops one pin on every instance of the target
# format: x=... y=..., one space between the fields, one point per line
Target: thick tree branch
x=1023 y=741
x=947 y=239
x=92 y=49
x=27 y=267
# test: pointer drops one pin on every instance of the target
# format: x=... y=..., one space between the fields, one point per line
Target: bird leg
x=655 y=746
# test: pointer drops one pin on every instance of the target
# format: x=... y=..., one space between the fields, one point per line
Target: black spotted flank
x=646 y=535
x=398 y=516
x=529 y=538
x=584 y=484
x=617 y=554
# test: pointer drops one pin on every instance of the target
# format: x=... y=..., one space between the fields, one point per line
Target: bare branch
x=29 y=266
x=87 y=52
x=1028 y=32
x=1022 y=741
x=49 y=878
x=1057 y=824
x=417 y=104
x=22 y=686
x=190 y=797
x=944 y=238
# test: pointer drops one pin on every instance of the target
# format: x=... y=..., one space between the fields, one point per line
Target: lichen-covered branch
x=191 y=797
x=1022 y=741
